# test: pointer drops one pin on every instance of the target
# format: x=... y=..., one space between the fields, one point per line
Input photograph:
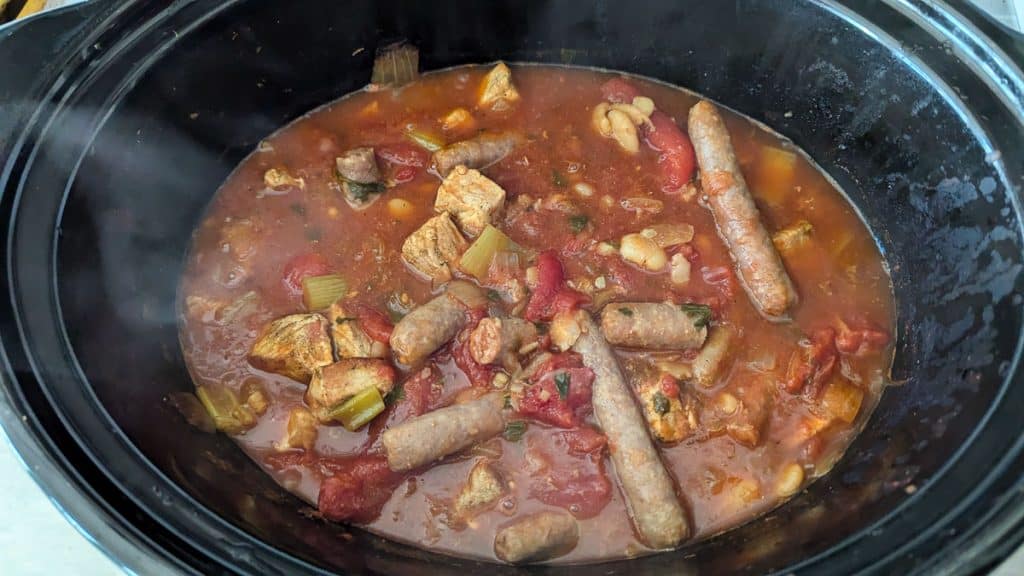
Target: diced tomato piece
x=561 y=361
x=669 y=386
x=619 y=91
x=402 y=162
x=402 y=154
x=302 y=266
x=812 y=365
x=568 y=477
x=677 y=161
x=860 y=342
x=584 y=440
x=544 y=401
x=358 y=490
x=477 y=373
x=551 y=296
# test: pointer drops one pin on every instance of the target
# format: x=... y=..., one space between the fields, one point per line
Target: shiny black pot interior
x=132 y=138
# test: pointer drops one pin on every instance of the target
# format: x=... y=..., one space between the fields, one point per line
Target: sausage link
x=650 y=325
x=445 y=431
x=427 y=328
x=758 y=264
x=479 y=152
x=536 y=537
x=647 y=486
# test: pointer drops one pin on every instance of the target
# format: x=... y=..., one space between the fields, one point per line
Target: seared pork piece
x=482 y=489
x=434 y=435
x=434 y=248
x=333 y=384
x=541 y=536
x=652 y=326
x=497 y=91
x=433 y=324
x=301 y=431
x=646 y=485
x=479 y=152
x=498 y=340
x=758 y=264
x=350 y=341
x=293 y=346
x=712 y=358
x=670 y=412
x=471 y=198
x=359 y=176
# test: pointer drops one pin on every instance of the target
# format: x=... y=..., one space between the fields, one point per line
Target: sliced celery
x=477 y=258
x=319 y=292
x=358 y=410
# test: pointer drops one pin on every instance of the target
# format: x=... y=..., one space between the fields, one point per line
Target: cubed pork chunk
x=433 y=249
x=742 y=410
x=332 y=385
x=350 y=341
x=482 y=489
x=293 y=346
x=471 y=198
x=497 y=91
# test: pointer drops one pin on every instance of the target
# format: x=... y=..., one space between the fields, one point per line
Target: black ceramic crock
x=118 y=121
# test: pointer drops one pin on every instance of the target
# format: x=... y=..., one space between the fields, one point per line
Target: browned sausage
x=445 y=431
x=499 y=340
x=647 y=486
x=479 y=152
x=758 y=264
x=651 y=325
x=536 y=537
x=430 y=326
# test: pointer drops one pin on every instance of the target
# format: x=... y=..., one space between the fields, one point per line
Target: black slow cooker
x=119 y=119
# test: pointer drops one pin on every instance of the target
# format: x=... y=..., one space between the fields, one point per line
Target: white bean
x=624 y=131
x=643 y=252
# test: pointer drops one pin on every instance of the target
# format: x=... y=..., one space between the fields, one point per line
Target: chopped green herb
x=313 y=234
x=342 y=319
x=397 y=394
x=514 y=430
x=298 y=209
x=699 y=313
x=542 y=327
x=578 y=222
x=508 y=402
x=557 y=179
x=361 y=192
x=660 y=402
x=562 y=383
x=494 y=296
x=625 y=311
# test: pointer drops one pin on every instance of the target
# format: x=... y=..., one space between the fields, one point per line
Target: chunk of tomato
x=551 y=296
x=811 y=366
x=559 y=397
x=619 y=91
x=402 y=161
x=302 y=266
x=677 y=161
x=358 y=489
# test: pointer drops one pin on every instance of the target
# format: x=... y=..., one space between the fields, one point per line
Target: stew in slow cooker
x=534 y=313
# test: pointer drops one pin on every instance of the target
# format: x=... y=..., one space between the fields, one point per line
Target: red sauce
x=263 y=241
